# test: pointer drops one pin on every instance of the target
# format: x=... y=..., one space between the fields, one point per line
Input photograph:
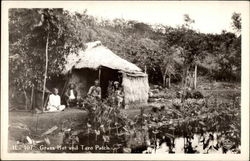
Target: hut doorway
x=83 y=79
x=108 y=75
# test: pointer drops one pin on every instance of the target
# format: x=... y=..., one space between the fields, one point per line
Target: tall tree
x=236 y=22
x=36 y=34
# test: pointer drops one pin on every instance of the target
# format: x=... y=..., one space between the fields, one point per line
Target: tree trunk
x=184 y=82
x=195 y=76
x=164 y=81
x=65 y=84
x=164 y=75
x=31 y=98
x=169 y=82
x=26 y=99
x=46 y=69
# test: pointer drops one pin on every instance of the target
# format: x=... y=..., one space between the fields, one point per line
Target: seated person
x=119 y=95
x=95 y=90
x=71 y=95
x=54 y=103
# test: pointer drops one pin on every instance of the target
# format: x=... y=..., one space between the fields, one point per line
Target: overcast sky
x=210 y=17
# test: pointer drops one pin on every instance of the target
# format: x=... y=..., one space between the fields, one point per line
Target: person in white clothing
x=54 y=103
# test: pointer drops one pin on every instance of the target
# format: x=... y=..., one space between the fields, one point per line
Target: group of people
x=72 y=98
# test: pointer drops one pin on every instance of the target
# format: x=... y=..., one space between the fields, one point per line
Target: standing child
x=119 y=94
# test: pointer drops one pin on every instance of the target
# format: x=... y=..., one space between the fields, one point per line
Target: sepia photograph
x=153 y=78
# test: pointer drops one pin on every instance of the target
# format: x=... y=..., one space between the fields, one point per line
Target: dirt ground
x=39 y=123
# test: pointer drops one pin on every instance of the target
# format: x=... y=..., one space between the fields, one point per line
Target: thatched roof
x=96 y=55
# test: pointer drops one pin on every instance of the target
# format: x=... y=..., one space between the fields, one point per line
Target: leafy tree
x=188 y=21
x=21 y=74
x=236 y=24
x=34 y=32
x=229 y=57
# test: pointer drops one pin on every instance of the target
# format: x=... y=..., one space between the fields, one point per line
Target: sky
x=209 y=16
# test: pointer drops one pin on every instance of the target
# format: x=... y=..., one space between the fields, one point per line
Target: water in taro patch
x=210 y=143
x=195 y=127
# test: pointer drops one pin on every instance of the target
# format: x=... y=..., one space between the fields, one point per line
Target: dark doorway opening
x=83 y=79
x=106 y=76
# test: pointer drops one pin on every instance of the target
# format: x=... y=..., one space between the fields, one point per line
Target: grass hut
x=98 y=62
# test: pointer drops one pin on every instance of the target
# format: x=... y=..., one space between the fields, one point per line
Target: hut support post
x=99 y=74
x=99 y=78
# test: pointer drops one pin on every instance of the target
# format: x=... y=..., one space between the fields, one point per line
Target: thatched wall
x=136 y=88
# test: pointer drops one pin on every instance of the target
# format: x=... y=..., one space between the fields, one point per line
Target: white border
x=60 y=4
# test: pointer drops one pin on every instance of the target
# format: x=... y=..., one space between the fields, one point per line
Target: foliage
x=226 y=54
x=138 y=42
x=196 y=117
x=161 y=50
x=236 y=24
x=30 y=29
x=108 y=125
